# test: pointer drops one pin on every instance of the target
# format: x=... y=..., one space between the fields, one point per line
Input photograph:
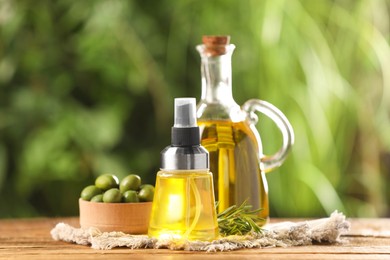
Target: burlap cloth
x=283 y=234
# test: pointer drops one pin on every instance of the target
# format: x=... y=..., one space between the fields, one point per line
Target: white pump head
x=185 y=112
x=185 y=151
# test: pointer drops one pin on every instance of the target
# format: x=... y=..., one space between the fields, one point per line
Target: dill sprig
x=238 y=220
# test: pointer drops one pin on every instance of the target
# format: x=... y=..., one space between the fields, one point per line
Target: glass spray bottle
x=229 y=132
x=184 y=203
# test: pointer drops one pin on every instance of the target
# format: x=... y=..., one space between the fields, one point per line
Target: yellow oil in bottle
x=184 y=206
x=234 y=161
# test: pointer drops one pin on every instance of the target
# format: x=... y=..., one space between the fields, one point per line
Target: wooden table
x=30 y=239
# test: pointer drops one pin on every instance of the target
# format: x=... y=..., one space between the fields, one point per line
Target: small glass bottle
x=184 y=202
x=229 y=132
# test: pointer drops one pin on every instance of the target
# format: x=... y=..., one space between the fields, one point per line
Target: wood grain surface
x=30 y=239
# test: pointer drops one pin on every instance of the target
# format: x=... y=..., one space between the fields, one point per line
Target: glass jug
x=229 y=132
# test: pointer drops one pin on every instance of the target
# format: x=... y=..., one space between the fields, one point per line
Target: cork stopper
x=215 y=45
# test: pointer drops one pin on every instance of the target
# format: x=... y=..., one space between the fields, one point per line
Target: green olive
x=97 y=198
x=130 y=182
x=90 y=191
x=130 y=196
x=112 y=196
x=146 y=193
x=148 y=186
x=106 y=182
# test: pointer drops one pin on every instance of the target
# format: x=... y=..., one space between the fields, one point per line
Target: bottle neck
x=216 y=72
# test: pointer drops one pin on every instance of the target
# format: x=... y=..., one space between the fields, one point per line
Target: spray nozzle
x=185 y=112
x=185 y=131
x=185 y=151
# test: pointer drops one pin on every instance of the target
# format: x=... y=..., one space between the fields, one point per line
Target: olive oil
x=184 y=204
x=228 y=132
x=234 y=160
x=185 y=208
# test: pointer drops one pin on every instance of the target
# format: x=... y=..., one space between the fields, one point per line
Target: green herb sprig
x=239 y=220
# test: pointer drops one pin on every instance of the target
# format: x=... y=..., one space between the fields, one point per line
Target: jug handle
x=270 y=162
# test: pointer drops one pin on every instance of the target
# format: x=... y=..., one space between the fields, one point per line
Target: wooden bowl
x=131 y=218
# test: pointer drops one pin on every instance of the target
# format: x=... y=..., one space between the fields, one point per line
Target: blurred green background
x=87 y=87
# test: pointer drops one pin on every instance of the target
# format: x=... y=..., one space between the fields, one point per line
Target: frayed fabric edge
x=285 y=234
